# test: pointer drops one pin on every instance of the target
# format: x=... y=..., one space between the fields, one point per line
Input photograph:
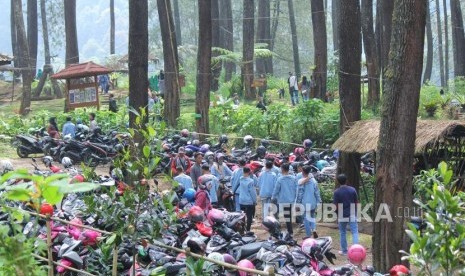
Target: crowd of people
x=281 y=187
x=69 y=129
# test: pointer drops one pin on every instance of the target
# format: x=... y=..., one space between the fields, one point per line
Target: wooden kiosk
x=82 y=84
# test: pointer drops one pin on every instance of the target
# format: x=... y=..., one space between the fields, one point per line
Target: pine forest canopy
x=93 y=31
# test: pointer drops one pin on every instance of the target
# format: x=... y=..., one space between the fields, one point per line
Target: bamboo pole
x=65 y=266
x=49 y=247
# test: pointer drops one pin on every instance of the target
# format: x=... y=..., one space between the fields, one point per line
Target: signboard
x=82 y=92
x=259 y=82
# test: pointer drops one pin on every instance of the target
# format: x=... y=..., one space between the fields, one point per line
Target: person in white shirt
x=293 y=88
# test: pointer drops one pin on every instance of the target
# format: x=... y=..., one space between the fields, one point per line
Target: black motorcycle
x=26 y=145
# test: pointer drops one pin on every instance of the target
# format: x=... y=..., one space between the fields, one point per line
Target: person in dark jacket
x=112 y=106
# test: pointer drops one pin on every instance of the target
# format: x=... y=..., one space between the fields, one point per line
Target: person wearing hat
x=219 y=168
x=181 y=160
x=210 y=182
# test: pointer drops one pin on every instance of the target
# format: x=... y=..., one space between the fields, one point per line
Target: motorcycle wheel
x=21 y=152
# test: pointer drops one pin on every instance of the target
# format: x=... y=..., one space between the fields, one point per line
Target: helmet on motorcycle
x=215 y=215
x=66 y=162
x=189 y=194
x=196 y=142
x=119 y=147
x=229 y=259
x=97 y=131
x=180 y=190
x=271 y=224
x=5 y=166
x=309 y=245
x=176 y=138
x=184 y=133
x=197 y=245
x=314 y=156
x=77 y=179
x=245 y=264
x=189 y=152
x=399 y=270
x=261 y=151
x=307 y=144
x=209 y=266
x=196 y=214
x=248 y=139
x=47 y=160
x=356 y=254
x=299 y=151
x=265 y=143
x=204 y=148
x=223 y=139
x=67 y=138
x=183 y=141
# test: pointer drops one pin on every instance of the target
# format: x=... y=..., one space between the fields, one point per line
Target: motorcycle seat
x=247 y=240
x=248 y=250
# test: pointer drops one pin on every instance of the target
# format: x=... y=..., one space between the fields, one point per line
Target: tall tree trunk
x=350 y=49
x=446 y=44
x=429 y=45
x=441 y=53
x=137 y=55
x=177 y=21
x=295 y=43
x=248 y=29
x=202 y=92
x=227 y=35
x=32 y=33
x=369 y=44
x=170 y=56
x=48 y=68
x=216 y=66
x=112 y=27
x=23 y=57
x=458 y=38
x=384 y=11
x=14 y=44
x=321 y=48
x=396 y=144
x=335 y=7
x=263 y=34
x=274 y=29
x=72 y=50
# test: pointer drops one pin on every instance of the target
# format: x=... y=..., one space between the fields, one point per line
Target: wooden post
x=96 y=92
x=188 y=253
x=115 y=261
x=49 y=247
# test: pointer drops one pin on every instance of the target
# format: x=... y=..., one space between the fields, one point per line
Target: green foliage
x=440 y=248
x=50 y=189
x=306 y=117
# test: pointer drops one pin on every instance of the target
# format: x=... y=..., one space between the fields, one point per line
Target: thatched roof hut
x=362 y=137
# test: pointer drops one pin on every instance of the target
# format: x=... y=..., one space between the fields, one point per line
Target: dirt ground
x=323 y=229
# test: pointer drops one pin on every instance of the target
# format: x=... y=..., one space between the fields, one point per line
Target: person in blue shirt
x=220 y=169
x=284 y=195
x=182 y=178
x=308 y=197
x=211 y=181
x=346 y=196
x=69 y=128
x=236 y=176
x=266 y=183
x=247 y=196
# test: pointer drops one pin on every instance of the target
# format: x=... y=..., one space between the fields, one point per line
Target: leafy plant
x=440 y=248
